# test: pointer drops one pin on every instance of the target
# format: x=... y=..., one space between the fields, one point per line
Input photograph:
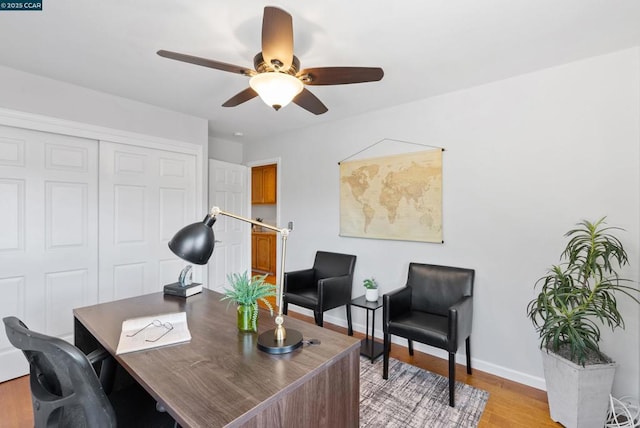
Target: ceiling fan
x=277 y=77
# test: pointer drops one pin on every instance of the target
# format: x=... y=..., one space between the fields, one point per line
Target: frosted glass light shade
x=276 y=89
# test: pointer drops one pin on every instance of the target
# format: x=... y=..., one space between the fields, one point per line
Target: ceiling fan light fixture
x=276 y=89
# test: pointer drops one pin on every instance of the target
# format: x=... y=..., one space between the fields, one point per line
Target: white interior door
x=48 y=234
x=229 y=190
x=146 y=196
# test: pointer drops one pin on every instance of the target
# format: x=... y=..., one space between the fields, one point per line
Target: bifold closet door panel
x=48 y=233
x=146 y=195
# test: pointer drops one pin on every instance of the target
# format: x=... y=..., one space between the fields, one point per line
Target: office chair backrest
x=328 y=265
x=65 y=389
x=435 y=288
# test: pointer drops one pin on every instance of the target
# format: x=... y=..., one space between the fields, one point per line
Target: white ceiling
x=426 y=47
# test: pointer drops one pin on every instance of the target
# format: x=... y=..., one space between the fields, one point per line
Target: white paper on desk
x=148 y=332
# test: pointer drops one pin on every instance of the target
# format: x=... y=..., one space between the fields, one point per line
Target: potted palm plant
x=246 y=292
x=576 y=297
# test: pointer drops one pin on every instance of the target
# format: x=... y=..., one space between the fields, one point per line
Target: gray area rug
x=413 y=397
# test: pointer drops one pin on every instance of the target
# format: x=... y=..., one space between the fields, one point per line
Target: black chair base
x=318 y=317
x=452 y=365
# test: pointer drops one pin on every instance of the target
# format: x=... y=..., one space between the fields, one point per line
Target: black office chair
x=67 y=392
x=435 y=308
x=327 y=285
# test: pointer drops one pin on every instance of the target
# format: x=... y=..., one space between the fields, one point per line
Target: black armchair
x=67 y=392
x=327 y=285
x=435 y=308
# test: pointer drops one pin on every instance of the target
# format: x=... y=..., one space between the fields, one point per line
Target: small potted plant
x=576 y=297
x=371 y=294
x=246 y=292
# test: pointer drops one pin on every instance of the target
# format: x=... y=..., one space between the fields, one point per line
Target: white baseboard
x=485 y=366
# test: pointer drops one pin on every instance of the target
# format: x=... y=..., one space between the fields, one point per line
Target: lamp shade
x=276 y=89
x=194 y=243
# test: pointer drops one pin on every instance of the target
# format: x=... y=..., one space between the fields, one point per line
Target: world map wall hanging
x=393 y=197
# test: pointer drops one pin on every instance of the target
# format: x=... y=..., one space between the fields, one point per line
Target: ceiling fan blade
x=206 y=62
x=340 y=75
x=277 y=37
x=310 y=102
x=240 y=98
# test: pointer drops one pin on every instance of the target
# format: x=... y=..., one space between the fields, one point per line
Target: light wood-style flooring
x=510 y=404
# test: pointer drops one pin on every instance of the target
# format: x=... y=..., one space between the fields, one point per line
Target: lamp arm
x=195 y=244
x=284 y=233
x=217 y=211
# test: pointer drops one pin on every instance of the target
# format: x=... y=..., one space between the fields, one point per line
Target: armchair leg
x=452 y=379
x=318 y=318
x=468 y=347
x=349 y=326
x=385 y=356
x=285 y=307
x=410 y=347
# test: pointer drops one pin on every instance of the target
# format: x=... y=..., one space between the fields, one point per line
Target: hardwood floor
x=15 y=404
x=510 y=404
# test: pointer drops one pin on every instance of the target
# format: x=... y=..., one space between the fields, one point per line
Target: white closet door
x=146 y=196
x=229 y=190
x=48 y=234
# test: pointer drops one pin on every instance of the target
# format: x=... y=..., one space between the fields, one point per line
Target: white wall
x=526 y=158
x=38 y=95
x=225 y=150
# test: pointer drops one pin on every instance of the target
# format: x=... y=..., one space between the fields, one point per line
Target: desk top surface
x=219 y=376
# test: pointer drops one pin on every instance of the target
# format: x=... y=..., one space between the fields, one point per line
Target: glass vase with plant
x=246 y=292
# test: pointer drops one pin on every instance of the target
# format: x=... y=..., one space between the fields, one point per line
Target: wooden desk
x=220 y=378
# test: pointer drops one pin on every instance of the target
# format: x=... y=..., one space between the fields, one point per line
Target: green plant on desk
x=246 y=292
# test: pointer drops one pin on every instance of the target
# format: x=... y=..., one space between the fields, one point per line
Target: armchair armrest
x=334 y=291
x=395 y=303
x=460 y=319
x=298 y=280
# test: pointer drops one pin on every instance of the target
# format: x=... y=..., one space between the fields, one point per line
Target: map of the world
x=393 y=197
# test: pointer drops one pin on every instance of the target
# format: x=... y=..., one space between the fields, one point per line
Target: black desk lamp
x=195 y=242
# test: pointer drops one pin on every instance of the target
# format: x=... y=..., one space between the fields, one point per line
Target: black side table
x=369 y=347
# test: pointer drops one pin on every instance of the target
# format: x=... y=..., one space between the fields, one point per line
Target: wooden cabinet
x=263 y=184
x=263 y=252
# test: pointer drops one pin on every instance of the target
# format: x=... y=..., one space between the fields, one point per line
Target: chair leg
x=468 y=346
x=410 y=347
x=385 y=356
x=319 y=318
x=452 y=379
x=285 y=308
x=108 y=374
x=349 y=325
